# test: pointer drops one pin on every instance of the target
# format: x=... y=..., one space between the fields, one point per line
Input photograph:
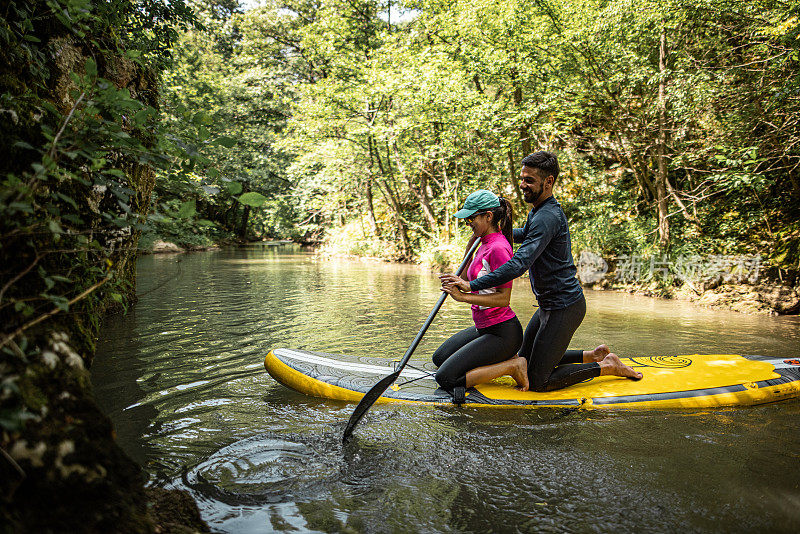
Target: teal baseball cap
x=477 y=201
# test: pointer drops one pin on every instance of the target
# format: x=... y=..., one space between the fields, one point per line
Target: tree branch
x=52 y=312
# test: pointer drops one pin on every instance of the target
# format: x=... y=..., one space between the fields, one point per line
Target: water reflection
x=182 y=377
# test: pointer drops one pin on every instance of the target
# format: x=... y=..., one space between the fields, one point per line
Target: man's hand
x=449 y=279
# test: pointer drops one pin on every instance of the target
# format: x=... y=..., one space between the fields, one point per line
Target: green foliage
x=225 y=109
x=680 y=147
x=78 y=124
x=252 y=199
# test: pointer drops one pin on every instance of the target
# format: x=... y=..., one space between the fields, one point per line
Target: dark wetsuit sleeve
x=539 y=233
x=519 y=235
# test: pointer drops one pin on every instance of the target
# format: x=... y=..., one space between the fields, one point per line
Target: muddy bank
x=168 y=247
x=768 y=298
x=776 y=294
x=62 y=470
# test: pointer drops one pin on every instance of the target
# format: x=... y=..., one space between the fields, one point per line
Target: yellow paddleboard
x=689 y=381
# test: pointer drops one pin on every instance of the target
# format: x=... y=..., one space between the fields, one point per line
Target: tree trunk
x=242 y=231
x=639 y=172
x=524 y=134
x=391 y=201
x=420 y=192
x=661 y=177
x=394 y=205
x=427 y=210
x=512 y=175
x=447 y=212
x=524 y=139
x=373 y=222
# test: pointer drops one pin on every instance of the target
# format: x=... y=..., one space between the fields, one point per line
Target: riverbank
x=62 y=468
x=168 y=247
x=764 y=298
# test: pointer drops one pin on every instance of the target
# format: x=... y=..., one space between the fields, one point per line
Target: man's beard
x=531 y=196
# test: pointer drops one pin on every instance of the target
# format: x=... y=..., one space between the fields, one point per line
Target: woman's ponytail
x=504 y=218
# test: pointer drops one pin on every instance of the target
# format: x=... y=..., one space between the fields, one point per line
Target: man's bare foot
x=611 y=365
x=596 y=355
x=520 y=373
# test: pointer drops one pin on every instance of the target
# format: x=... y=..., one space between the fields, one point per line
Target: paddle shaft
x=377 y=390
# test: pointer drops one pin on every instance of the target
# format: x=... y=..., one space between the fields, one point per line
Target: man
x=546 y=251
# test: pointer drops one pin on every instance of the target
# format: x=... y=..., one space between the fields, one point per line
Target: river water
x=182 y=377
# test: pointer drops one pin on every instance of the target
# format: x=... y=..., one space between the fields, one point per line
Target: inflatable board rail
x=687 y=381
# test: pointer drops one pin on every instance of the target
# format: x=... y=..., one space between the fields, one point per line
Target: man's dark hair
x=547 y=162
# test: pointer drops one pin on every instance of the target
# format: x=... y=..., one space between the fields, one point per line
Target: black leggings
x=475 y=347
x=550 y=365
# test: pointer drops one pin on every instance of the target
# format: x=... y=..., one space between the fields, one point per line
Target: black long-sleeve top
x=546 y=251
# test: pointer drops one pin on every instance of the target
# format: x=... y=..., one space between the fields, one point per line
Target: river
x=182 y=377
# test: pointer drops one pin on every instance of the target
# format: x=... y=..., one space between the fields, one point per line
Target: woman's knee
x=439 y=357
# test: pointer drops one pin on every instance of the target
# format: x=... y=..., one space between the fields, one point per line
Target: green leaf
x=23 y=144
x=141 y=116
x=54 y=227
x=234 y=188
x=91 y=67
x=201 y=118
x=62 y=303
x=21 y=307
x=227 y=142
x=253 y=199
x=116 y=296
x=49 y=107
x=24 y=206
x=187 y=209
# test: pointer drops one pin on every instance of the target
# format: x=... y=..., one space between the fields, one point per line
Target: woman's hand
x=453 y=280
x=501 y=297
x=454 y=292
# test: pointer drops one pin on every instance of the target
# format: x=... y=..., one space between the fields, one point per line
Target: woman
x=487 y=350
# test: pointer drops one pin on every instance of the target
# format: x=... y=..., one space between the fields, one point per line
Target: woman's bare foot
x=611 y=365
x=519 y=373
x=596 y=355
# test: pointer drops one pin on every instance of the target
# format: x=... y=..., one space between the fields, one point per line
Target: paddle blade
x=368 y=400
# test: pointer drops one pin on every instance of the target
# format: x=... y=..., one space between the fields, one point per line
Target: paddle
x=377 y=390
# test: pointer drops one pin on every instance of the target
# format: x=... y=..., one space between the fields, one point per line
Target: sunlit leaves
x=227 y=142
x=252 y=199
x=234 y=188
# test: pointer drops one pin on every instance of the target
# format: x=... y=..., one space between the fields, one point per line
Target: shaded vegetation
x=80 y=137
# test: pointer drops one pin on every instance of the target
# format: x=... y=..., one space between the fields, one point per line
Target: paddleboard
x=687 y=381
